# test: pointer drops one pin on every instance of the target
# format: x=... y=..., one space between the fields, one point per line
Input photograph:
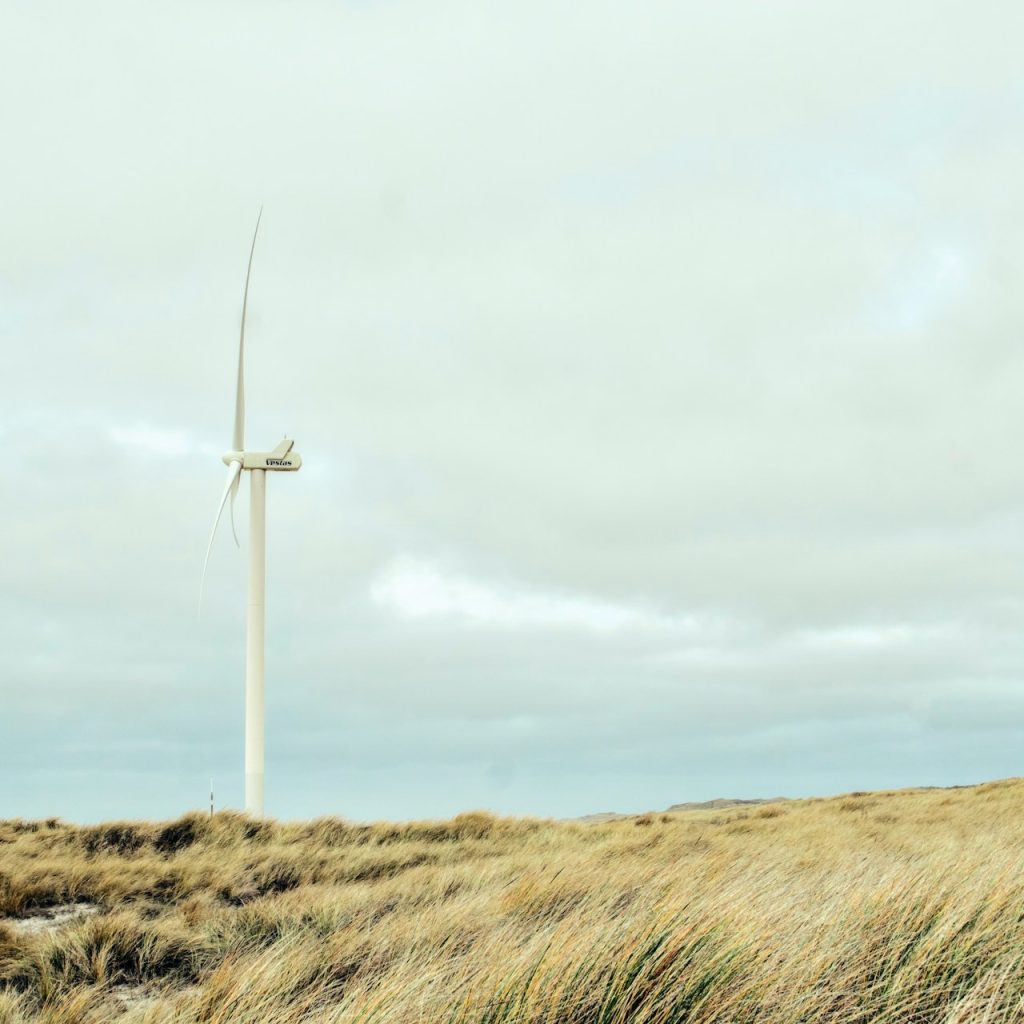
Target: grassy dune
x=903 y=907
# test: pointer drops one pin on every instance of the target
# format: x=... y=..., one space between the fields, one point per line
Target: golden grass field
x=902 y=907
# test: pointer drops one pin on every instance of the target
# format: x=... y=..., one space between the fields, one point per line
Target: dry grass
x=901 y=908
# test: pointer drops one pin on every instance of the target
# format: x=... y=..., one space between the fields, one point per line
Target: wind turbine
x=283 y=459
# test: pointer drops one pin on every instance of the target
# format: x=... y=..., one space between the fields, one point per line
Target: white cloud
x=417 y=589
x=162 y=442
x=151 y=440
x=876 y=637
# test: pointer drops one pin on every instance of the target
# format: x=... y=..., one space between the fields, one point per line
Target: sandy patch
x=51 y=918
x=134 y=997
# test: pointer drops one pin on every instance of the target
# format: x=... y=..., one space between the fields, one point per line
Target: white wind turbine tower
x=257 y=464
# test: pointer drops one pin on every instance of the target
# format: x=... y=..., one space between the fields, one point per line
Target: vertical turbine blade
x=238 y=439
x=231 y=508
x=234 y=471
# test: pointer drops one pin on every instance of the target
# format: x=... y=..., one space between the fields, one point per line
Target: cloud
x=656 y=372
x=149 y=440
x=416 y=589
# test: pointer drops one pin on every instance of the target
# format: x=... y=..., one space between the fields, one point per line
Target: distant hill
x=718 y=804
x=721 y=802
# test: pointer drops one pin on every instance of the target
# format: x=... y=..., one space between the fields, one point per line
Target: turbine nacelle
x=283 y=458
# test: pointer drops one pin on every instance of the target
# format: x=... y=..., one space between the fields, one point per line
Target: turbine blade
x=231 y=508
x=234 y=470
x=238 y=438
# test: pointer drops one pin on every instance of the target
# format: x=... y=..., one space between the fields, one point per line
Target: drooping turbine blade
x=238 y=438
x=231 y=508
x=234 y=470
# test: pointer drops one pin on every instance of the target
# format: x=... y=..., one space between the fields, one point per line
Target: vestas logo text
x=278 y=462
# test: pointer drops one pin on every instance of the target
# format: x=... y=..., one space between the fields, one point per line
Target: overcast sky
x=657 y=370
